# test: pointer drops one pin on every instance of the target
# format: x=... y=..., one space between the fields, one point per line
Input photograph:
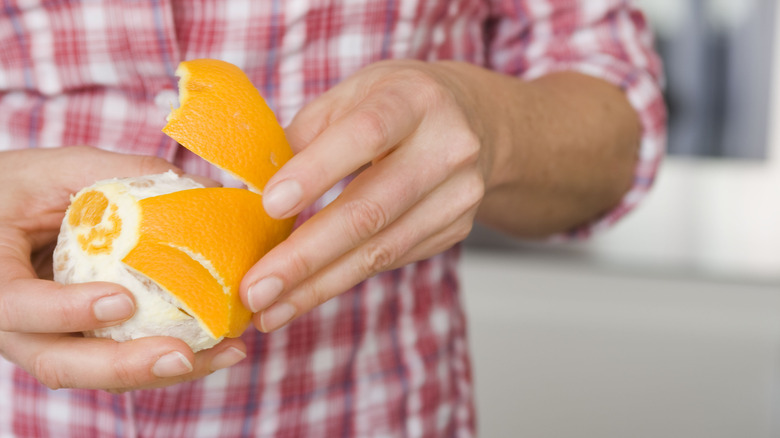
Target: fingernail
x=113 y=308
x=283 y=197
x=172 y=365
x=276 y=316
x=227 y=358
x=263 y=293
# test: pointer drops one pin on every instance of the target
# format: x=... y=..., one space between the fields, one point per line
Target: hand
x=412 y=130
x=39 y=319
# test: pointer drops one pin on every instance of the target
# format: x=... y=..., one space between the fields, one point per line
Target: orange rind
x=243 y=137
x=180 y=248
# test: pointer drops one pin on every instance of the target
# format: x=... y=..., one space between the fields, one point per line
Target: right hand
x=40 y=320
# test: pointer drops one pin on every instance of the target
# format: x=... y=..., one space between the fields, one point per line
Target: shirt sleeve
x=608 y=39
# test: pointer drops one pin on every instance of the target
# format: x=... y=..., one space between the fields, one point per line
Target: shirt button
x=167 y=99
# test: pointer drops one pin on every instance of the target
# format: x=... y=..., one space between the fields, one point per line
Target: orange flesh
x=88 y=210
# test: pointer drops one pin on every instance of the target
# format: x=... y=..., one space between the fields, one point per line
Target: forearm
x=562 y=149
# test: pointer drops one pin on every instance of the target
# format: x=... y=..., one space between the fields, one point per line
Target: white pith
x=157 y=311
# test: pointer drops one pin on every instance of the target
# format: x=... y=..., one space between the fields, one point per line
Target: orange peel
x=180 y=248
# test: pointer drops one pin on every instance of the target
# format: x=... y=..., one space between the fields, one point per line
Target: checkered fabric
x=386 y=359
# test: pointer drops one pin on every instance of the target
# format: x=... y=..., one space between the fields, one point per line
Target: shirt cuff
x=645 y=96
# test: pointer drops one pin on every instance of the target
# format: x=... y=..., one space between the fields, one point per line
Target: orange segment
x=95 y=233
x=224 y=119
x=225 y=228
x=88 y=209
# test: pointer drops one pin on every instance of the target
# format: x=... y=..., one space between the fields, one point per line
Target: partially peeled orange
x=180 y=248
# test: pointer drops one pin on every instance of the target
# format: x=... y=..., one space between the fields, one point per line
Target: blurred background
x=669 y=324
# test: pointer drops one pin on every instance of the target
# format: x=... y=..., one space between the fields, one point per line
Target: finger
x=315 y=117
x=445 y=239
x=331 y=105
x=223 y=355
x=95 y=164
x=28 y=304
x=41 y=306
x=60 y=361
x=44 y=224
x=49 y=176
x=75 y=167
x=366 y=132
x=453 y=203
x=376 y=198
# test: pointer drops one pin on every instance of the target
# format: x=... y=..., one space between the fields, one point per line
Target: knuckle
x=364 y=218
x=377 y=257
x=401 y=98
x=465 y=150
x=125 y=375
x=48 y=373
x=418 y=79
x=463 y=229
x=373 y=128
x=300 y=264
x=66 y=315
x=428 y=90
x=315 y=293
x=474 y=192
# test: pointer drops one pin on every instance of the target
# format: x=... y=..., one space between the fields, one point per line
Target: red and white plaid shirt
x=388 y=358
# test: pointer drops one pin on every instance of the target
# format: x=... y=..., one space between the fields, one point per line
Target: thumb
x=37 y=183
x=80 y=166
x=46 y=177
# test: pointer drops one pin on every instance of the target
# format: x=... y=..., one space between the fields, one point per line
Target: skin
x=38 y=317
x=441 y=145
x=438 y=146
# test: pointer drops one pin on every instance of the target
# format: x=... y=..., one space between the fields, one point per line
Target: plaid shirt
x=388 y=358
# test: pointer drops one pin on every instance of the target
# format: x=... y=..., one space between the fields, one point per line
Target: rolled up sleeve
x=607 y=39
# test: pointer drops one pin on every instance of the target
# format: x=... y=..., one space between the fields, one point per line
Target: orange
x=182 y=249
x=223 y=119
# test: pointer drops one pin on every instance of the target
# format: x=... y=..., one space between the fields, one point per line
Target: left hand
x=413 y=130
x=40 y=319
